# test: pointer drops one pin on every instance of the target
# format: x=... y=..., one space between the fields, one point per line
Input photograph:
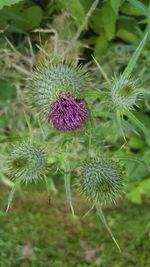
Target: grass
x=38 y=234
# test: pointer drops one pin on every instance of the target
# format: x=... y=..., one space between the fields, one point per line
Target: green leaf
x=4 y=120
x=7 y=90
x=146 y=121
x=76 y=9
x=129 y=9
x=135 y=196
x=136 y=142
x=138 y=123
x=144 y=118
x=127 y=29
x=50 y=186
x=33 y=17
x=8 y=2
x=142 y=189
x=6 y=181
x=27 y=118
x=127 y=36
x=64 y=3
x=11 y=194
x=138 y=168
x=102 y=71
x=86 y=4
x=101 y=45
x=13 y=139
x=103 y=219
x=96 y=22
x=139 y=5
x=109 y=19
x=77 y=12
x=116 y=4
x=67 y=184
x=134 y=58
x=93 y=94
x=119 y=124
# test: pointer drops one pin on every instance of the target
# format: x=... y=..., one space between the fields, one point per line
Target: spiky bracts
x=101 y=179
x=26 y=162
x=124 y=92
x=54 y=84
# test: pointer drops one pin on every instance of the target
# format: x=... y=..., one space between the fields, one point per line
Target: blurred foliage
x=8 y=2
x=112 y=19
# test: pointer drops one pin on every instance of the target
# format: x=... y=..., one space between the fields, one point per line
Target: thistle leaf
x=67 y=185
x=103 y=219
x=139 y=5
x=134 y=58
x=101 y=70
x=13 y=139
x=136 y=121
x=11 y=195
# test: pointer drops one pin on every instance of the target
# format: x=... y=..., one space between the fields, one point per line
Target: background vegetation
x=36 y=232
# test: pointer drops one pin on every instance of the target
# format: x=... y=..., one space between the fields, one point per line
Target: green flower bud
x=124 y=93
x=26 y=162
x=101 y=179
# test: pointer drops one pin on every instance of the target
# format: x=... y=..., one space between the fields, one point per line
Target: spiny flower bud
x=101 y=179
x=55 y=93
x=26 y=162
x=124 y=92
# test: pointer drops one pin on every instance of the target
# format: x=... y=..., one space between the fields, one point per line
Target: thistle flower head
x=124 y=92
x=101 y=179
x=26 y=162
x=58 y=85
x=67 y=113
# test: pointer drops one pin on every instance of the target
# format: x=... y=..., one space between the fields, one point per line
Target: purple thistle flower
x=67 y=113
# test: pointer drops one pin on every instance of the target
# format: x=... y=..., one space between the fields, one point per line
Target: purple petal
x=67 y=113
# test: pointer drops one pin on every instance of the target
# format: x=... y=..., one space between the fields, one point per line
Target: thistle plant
x=55 y=91
x=56 y=94
x=26 y=163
